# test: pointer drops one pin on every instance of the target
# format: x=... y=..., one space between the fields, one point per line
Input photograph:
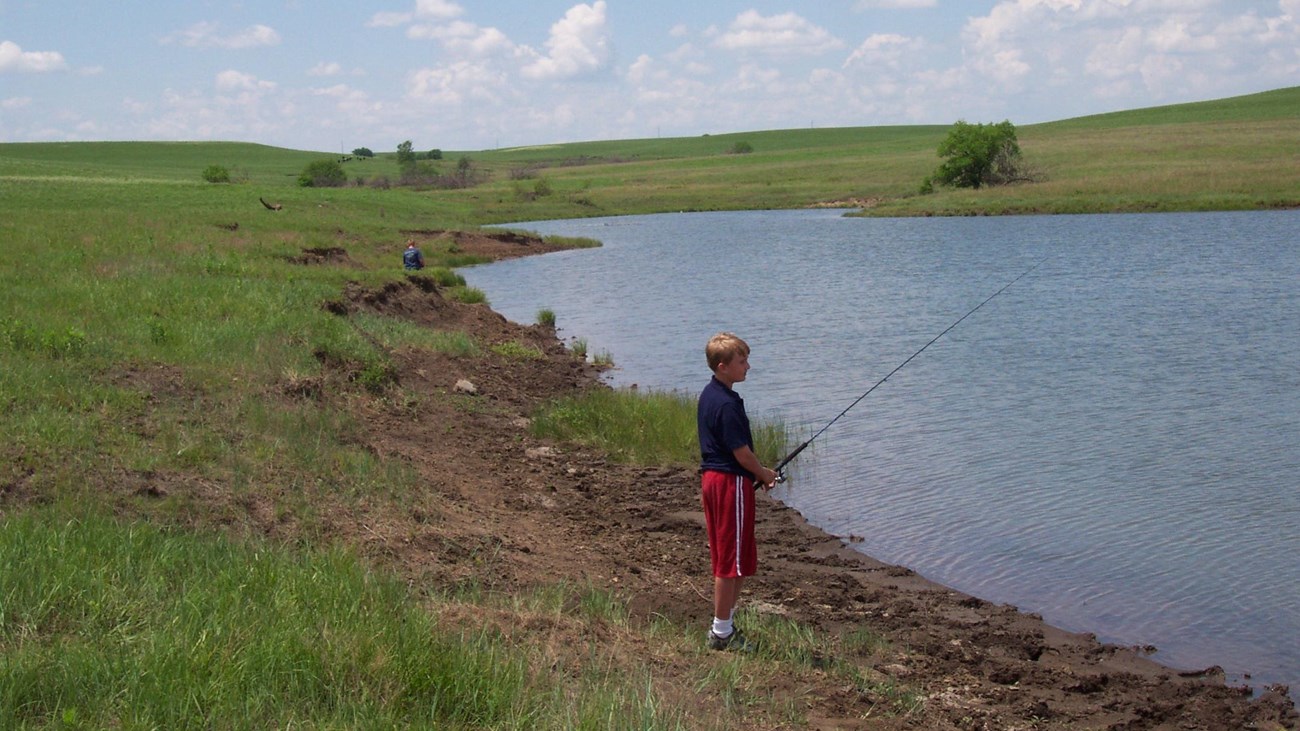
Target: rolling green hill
x=1236 y=153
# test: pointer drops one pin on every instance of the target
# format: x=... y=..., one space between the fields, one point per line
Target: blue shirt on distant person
x=412 y=258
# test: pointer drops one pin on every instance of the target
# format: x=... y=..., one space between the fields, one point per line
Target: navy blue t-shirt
x=723 y=427
x=412 y=259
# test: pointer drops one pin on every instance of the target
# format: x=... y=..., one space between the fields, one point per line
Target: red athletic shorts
x=729 y=518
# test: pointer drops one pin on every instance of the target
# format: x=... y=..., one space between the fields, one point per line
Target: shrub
x=579 y=348
x=979 y=154
x=363 y=152
x=445 y=277
x=469 y=295
x=323 y=174
x=216 y=174
x=518 y=351
x=405 y=153
x=742 y=148
x=546 y=317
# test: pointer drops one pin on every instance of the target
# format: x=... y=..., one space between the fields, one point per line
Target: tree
x=363 y=152
x=405 y=153
x=434 y=154
x=323 y=174
x=977 y=155
x=216 y=174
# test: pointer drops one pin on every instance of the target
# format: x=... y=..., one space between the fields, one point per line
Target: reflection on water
x=1111 y=442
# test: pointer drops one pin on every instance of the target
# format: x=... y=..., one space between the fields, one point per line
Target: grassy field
x=121 y=268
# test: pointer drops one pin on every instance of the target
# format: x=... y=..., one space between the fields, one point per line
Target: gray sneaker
x=734 y=641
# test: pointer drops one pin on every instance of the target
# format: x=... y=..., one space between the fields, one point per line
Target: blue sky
x=463 y=75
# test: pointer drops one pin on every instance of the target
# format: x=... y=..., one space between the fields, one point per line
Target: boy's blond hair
x=723 y=347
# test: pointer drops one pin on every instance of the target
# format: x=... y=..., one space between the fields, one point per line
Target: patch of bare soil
x=507 y=509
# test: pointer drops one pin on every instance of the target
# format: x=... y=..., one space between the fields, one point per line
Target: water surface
x=1111 y=442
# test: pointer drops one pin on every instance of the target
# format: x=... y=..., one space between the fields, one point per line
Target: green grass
x=644 y=427
x=110 y=625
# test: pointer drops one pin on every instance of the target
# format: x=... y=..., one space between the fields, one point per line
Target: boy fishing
x=728 y=473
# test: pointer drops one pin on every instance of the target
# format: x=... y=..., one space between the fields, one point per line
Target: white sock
x=722 y=627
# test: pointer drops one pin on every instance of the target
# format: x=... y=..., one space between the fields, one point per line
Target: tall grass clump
x=643 y=427
x=113 y=625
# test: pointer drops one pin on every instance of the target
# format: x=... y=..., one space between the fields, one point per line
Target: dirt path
x=498 y=505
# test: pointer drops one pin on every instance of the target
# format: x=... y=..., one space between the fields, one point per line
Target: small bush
x=579 y=348
x=323 y=174
x=469 y=295
x=216 y=174
x=518 y=351
x=377 y=375
x=66 y=342
x=742 y=148
x=546 y=318
x=444 y=277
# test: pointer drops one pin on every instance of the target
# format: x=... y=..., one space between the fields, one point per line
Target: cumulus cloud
x=208 y=35
x=456 y=83
x=355 y=104
x=578 y=44
x=231 y=80
x=424 y=9
x=885 y=49
x=464 y=38
x=1124 y=45
x=325 y=69
x=784 y=33
x=14 y=58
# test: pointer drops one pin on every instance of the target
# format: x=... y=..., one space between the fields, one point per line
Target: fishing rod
x=780 y=476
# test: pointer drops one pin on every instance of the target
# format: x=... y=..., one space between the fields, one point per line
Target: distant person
x=729 y=471
x=412 y=258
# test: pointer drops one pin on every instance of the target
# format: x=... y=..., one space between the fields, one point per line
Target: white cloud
x=387 y=19
x=439 y=9
x=14 y=58
x=231 y=80
x=579 y=44
x=353 y=103
x=1121 y=46
x=15 y=102
x=325 y=69
x=784 y=33
x=466 y=39
x=206 y=35
x=456 y=83
x=885 y=49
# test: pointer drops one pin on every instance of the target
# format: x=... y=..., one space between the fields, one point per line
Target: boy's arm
x=747 y=459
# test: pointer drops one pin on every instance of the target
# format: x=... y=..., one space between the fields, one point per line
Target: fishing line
x=780 y=477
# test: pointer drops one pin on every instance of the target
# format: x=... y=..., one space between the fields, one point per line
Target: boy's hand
x=767 y=477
